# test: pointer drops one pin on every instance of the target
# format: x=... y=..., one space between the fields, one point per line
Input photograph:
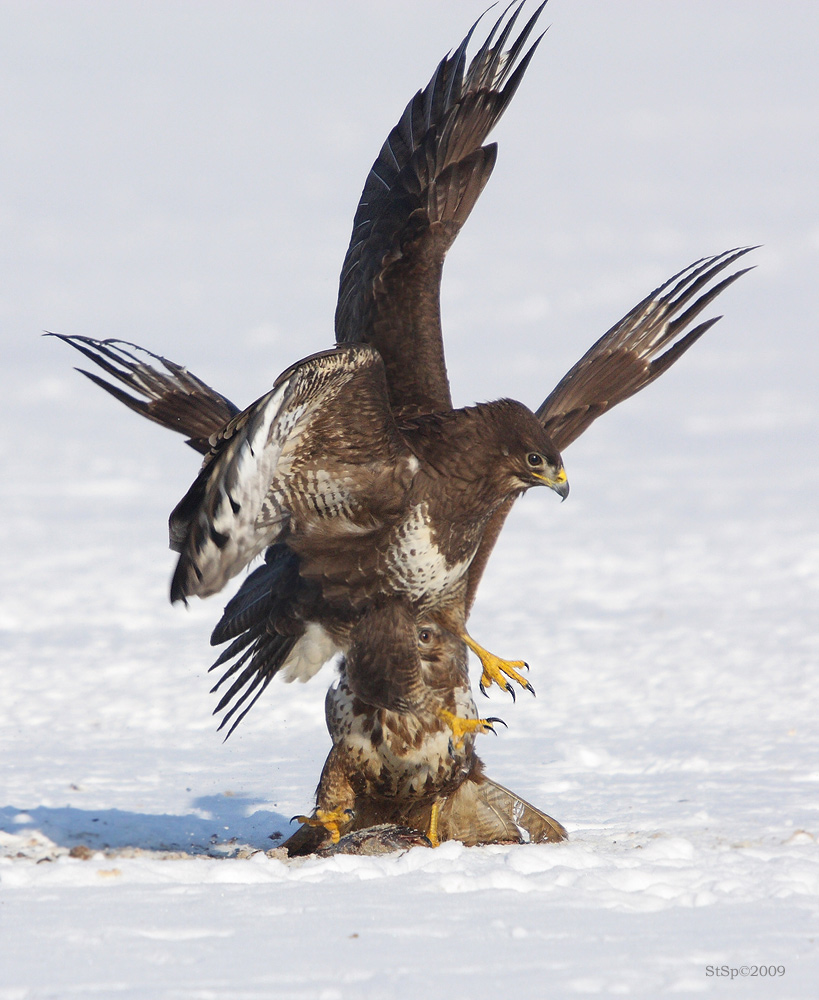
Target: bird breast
x=418 y=565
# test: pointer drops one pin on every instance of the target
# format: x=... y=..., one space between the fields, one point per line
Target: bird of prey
x=356 y=456
x=384 y=517
x=395 y=767
x=267 y=622
x=379 y=516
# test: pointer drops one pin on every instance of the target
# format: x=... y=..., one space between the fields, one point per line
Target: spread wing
x=174 y=398
x=634 y=352
x=481 y=811
x=638 y=349
x=264 y=621
x=306 y=448
x=418 y=194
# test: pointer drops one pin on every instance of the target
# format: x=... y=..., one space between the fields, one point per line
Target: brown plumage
x=375 y=511
x=311 y=596
x=388 y=767
x=417 y=196
x=266 y=619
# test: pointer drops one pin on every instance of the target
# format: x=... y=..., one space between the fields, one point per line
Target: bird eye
x=534 y=459
x=424 y=636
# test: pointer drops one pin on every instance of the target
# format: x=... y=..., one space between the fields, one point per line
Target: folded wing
x=298 y=451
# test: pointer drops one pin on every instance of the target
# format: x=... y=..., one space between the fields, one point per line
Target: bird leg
x=432 y=829
x=460 y=726
x=330 y=819
x=496 y=670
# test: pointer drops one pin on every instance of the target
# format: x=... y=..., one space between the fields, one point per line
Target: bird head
x=528 y=456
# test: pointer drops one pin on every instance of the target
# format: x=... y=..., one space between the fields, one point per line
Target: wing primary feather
x=512 y=84
x=236 y=647
x=173 y=398
x=485 y=70
x=458 y=63
x=631 y=344
x=631 y=355
x=256 y=688
x=520 y=41
x=416 y=199
x=703 y=302
x=667 y=359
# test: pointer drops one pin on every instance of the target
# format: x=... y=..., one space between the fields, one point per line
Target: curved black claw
x=511 y=691
x=529 y=687
x=349 y=813
x=493 y=719
x=483 y=689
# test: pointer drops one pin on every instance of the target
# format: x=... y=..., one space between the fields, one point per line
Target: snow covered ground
x=185 y=176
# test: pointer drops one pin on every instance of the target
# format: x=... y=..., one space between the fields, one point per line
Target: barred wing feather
x=299 y=450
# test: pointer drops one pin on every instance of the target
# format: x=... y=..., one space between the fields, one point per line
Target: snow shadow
x=218 y=826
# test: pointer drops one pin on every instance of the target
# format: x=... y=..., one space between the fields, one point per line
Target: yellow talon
x=331 y=820
x=461 y=726
x=496 y=670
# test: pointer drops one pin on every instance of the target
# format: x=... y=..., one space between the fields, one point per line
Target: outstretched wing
x=481 y=811
x=174 y=398
x=638 y=349
x=309 y=448
x=418 y=194
x=634 y=352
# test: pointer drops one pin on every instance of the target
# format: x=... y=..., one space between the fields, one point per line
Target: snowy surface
x=185 y=176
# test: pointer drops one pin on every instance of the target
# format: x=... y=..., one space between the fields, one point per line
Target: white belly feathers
x=415 y=564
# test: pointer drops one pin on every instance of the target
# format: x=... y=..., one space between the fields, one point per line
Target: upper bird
x=356 y=458
x=374 y=510
x=354 y=471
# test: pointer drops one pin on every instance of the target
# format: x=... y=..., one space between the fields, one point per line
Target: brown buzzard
x=376 y=504
x=376 y=511
x=388 y=767
x=268 y=623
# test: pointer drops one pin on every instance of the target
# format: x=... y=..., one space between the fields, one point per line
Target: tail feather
x=263 y=624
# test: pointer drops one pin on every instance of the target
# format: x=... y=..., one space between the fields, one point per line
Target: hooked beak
x=558 y=482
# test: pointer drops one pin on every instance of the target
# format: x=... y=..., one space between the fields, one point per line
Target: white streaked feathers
x=415 y=564
x=244 y=496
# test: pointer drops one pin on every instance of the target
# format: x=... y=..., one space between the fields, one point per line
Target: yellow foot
x=331 y=820
x=461 y=726
x=432 y=831
x=496 y=670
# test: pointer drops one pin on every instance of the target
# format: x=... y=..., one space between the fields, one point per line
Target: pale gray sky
x=185 y=174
